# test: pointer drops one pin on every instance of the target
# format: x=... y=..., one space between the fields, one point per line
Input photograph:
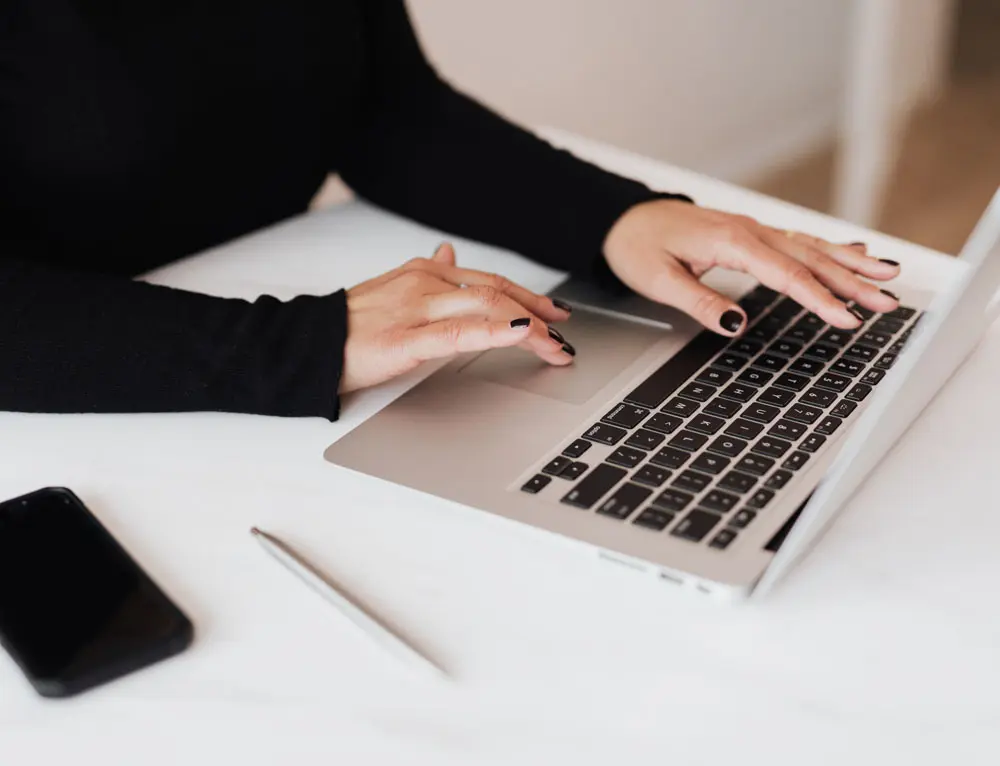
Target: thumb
x=444 y=254
x=676 y=286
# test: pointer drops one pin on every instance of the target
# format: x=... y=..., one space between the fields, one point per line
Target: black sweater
x=135 y=132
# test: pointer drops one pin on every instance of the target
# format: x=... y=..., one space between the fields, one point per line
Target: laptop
x=708 y=463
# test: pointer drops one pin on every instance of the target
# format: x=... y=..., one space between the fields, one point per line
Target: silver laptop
x=707 y=463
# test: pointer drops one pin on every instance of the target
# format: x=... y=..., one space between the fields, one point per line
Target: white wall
x=728 y=87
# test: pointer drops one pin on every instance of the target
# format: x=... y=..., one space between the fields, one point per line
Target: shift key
x=594 y=486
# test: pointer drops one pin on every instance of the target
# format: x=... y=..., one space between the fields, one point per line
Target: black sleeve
x=432 y=154
x=79 y=342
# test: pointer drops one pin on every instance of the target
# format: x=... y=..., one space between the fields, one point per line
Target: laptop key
x=673 y=500
x=744 y=429
x=536 y=484
x=700 y=392
x=722 y=408
x=887 y=325
x=847 y=367
x=859 y=392
x=875 y=338
x=828 y=425
x=605 y=434
x=763 y=332
x=844 y=408
x=812 y=442
x=739 y=392
x=770 y=362
x=776 y=396
x=795 y=461
x=786 y=309
x=677 y=370
x=771 y=446
x=755 y=377
x=643 y=439
x=723 y=502
x=594 y=486
x=801 y=334
x=665 y=424
x=713 y=377
x=836 y=337
x=691 y=481
x=626 y=499
x=872 y=377
x=818 y=397
x=778 y=479
x=626 y=415
x=903 y=312
x=574 y=471
x=680 y=407
x=555 y=466
x=758 y=465
x=626 y=457
x=742 y=518
x=787 y=429
x=728 y=446
x=861 y=353
x=706 y=424
x=803 y=413
x=577 y=448
x=822 y=351
x=792 y=381
x=653 y=518
x=651 y=475
x=722 y=539
x=806 y=366
x=696 y=525
x=737 y=482
x=760 y=499
x=746 y=347
x=812 y=321
x=731 y=361
x=886 y=361
x=688 y=440
x=709 y=463
x=668 y=457
x=784 y=346
x=762 y=413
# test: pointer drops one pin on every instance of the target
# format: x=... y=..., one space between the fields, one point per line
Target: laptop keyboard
x=705 y=443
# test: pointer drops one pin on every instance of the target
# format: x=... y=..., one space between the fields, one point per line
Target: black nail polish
x=568 y=348
x=891 y=295
x=858 y=244
x=856 y=314
x=562 y=305
x=731 y=321
x=887 y=261
x=522 y=322
x=556 y=335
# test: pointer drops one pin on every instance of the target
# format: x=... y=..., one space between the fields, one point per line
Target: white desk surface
x=883 y=647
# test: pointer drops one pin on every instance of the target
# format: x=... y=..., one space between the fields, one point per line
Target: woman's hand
x=661 y=248
x=431 y=309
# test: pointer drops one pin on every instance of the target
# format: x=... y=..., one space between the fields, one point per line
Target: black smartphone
x=75 y=609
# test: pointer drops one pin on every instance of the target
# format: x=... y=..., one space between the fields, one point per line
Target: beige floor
x=948 y=168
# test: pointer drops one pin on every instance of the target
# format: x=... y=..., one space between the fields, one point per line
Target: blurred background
x=886 y=112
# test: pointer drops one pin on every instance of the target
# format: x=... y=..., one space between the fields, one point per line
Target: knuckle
x=452 y=332
x=708 y=304
x=798 y=275
x=489 y=296
x=416 y=264
x=410 y=280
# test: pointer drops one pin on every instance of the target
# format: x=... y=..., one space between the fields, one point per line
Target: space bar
x=677 y=370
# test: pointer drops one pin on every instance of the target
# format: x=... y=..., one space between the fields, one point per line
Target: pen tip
x=254 y=531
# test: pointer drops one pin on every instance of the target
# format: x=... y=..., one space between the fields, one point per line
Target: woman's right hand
x=432 y=309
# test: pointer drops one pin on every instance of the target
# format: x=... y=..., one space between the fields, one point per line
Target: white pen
x=316 y=580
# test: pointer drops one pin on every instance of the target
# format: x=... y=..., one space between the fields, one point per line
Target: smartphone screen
x=75 y=608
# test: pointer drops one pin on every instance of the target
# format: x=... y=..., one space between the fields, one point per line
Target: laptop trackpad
x=605 y=346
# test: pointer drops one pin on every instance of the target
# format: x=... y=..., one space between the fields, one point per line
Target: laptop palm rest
x=605 y=346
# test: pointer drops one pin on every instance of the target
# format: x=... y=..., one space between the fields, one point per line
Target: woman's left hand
x=661 y=248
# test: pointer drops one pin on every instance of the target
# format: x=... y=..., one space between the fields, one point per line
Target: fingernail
x=562 y=305
x=856 y=314
x=568 y=348
x=887 y=261
x=522 y=322
x=891 y=295
x=556 y=335
x=731 y=321
x=859 y=245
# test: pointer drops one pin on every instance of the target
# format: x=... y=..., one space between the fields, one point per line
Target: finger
x=460 y=335
x=779 y=271
x=540 y=305
x=674 y=285
x=491 y=304
x=445 y=254
x=853 y=256
x=843 y=282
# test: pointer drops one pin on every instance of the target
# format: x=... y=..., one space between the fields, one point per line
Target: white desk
x=883 y=647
